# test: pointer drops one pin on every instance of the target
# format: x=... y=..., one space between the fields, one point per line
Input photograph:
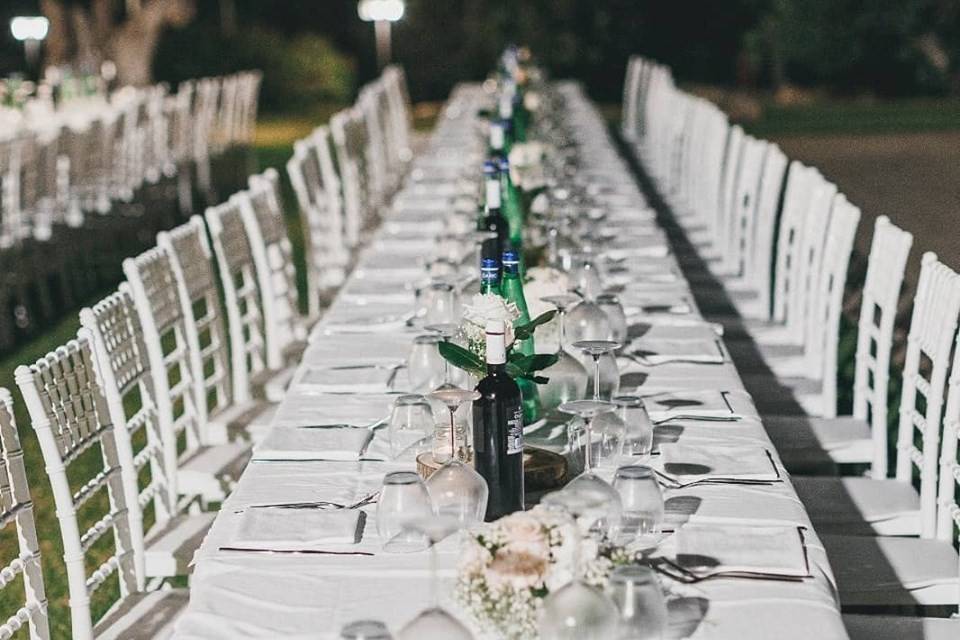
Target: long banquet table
x=236 y=594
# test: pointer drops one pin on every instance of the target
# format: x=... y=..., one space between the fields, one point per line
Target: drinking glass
x=584 y=277
x=434 y=623
x=638 y=433
x=403 y=497
x=456 y=489
x=637 y=594
x=610 y=304
x=446 y=331
x=426 y=368
x=605 y=379
x=567 y=377
x=641 y=499
x=576 y=611
x=589 y=481
x=441 y=304
x=365 y=630
x=411 y=424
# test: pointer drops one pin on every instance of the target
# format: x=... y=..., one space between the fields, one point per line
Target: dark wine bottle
x=498 y=430
x=493 y=219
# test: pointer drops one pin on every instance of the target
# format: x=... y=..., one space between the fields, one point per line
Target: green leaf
x=463 y=358
x=524 y=331
x=536 y=362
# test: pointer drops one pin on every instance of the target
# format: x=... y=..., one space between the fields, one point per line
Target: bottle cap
x=491 y=168
x=510 y=258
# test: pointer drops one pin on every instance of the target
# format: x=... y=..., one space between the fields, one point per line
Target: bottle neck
x=493 y=199
x=496 y=352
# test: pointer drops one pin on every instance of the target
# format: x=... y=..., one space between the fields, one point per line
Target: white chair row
x=345 y=173
x=784 y=268
x=56 y=168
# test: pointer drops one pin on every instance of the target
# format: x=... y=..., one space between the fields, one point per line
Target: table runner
x=247 y=595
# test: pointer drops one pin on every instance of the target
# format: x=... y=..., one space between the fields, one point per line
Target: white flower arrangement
x=482 y=308
x=509 y=566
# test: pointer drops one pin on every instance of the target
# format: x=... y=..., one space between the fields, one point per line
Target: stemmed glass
x=577 y=611
x=567 y=377
x=446 y=331
x=587 y=321
x=440 y=303
x=595 y=349
x=434 y=623
x=456 y=489
x=424 y=363
x=589 y=480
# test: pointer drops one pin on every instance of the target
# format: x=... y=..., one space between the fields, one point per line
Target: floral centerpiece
x=508 y=567
x=471 y=356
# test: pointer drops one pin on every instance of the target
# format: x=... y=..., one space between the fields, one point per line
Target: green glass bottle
x=512 y=206
x=511 y=288
x=490 y=276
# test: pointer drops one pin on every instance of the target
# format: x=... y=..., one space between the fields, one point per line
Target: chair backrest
x=758 y=259
x=948 y=494
x=69 y=414
x=16 y=508
x=266 y=229
x=120 y=352
x=709 y=172
x=731 y=164
x=631 y=98
x=157 y=300
x=878 y=312
x=823 y=326
x=192 y=262
x=932 y=328
x=238 y=274
x=371 y=103
x=742 y=207
x=401 y=116
x=805 y=298
x=796 y=203
x=350 y=141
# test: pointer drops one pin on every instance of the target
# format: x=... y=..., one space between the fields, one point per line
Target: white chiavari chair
x=68 y=411
x=401 y=116
x=170 y=536
x=16 y=509
x=862 y=436
x=350 y=142
x=377 y=154
x=203 y=470
x=263 y=218
x=192 y=262
x=249 y=350
x=320 y=220
x=630 y=110
x=893 y=506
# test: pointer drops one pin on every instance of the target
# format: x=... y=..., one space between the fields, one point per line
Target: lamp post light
x=31 y=31
x=381 y=13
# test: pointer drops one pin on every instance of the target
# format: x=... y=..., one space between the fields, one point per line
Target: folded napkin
x=301 y=409
x=689 y=463
x=348 y=379
x=693 y=330
x=720 y=549
x=653 y=247
x=297 y=529
x=656 y=351
x=644 y=303
x=332 y=443
x=700 y=404
x=368 y=318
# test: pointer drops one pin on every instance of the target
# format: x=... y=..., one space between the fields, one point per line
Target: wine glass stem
x=596 y=377
x=563 y=331
x=453 y=433
x=588 y=431
x=434 y=587
x=446 y=371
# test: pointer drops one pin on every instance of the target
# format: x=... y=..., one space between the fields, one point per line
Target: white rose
x=486 y=307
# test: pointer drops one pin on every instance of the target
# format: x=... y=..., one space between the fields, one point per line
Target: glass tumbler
x=641 y=499
x=637 y=594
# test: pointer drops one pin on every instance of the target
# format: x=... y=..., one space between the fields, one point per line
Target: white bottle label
x=496 y=342
x=493 y=193
x=515 y=433
x=496 y=136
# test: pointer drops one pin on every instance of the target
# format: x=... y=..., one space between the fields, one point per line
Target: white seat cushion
x=860 y=505
x=143 y=615
x=845 y=439
x=210 y=472
x=170 y=548
x=893 y=571
x=862 y=627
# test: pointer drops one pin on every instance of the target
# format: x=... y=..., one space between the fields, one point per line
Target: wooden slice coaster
x=542 y=469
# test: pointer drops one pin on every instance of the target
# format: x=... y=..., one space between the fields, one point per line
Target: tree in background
x=83 y=34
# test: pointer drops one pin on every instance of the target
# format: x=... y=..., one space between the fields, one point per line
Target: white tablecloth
x=259 y=595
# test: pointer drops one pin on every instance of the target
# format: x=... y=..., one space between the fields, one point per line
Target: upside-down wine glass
x=567 y=378
x=434 y=623
x=589 y=480
x=577 y=611
x=597 y=349
x=456 y=489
